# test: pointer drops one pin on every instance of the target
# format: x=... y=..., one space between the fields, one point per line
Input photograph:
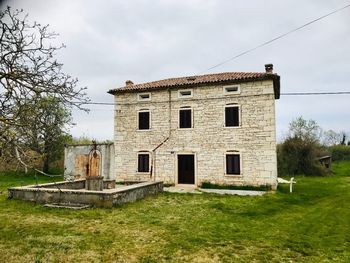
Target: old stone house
x=217 y=128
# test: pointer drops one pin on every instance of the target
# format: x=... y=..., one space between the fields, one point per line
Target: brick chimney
x=129 y=83
x=269 y=68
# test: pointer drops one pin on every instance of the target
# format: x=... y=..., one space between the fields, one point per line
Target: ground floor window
x=143 y=163
x=233 y=164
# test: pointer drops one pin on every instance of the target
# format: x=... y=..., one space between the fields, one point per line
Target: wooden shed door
x=185 y=168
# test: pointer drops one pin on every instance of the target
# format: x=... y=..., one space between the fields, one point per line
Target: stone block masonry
x=254 y=140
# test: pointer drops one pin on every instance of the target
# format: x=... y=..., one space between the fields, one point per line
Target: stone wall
x=76 y=159
x=209 y=139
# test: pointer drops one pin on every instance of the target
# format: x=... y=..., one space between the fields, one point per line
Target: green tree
x=44 y=129
x=298 y=153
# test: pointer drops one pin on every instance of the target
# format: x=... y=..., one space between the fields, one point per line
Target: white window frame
x=230 y=152
x=139 y=96
x=149 y=161
x=226 y=92
x=181 y=96
x=138 y=120
x=185 y=108
x=231 y=105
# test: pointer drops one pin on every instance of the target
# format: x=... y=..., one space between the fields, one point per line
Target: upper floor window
x=143 y=162
x=233 y=164
x=185 y=118
x=232 y=116
x=144 y=120
x=144 y=96
x=186 y=93
x=232 y=89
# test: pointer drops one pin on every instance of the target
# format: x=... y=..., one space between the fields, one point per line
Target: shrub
x=208 y=185
x=299 y=156
x=340 y=152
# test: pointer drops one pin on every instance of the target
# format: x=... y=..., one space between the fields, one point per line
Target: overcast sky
x=109 y=42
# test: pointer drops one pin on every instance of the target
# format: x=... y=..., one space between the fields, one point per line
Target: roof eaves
x=274 y=77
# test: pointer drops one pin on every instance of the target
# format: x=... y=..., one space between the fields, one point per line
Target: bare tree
x=29 y=71
x=331 y=138
x=306 y=129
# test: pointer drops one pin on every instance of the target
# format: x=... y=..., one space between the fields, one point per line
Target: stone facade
x=209 y=140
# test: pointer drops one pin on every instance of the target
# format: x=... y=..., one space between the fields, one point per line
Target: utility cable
x=276 y=38
x=282 y=94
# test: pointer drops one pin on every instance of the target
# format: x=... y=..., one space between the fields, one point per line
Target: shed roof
x=197 y=80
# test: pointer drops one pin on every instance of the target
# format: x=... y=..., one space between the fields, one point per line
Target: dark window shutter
x=229 y=164
x=231 y=116
x=143 y=163
x=233 y=165
x=236 y=164
x=185 y=119
x=144 y=120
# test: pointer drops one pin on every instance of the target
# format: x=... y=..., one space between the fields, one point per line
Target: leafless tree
x=29 y=71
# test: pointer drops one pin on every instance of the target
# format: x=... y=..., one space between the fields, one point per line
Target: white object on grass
x=290 y=182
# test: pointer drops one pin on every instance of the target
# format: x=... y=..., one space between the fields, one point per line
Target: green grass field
x=310 y=225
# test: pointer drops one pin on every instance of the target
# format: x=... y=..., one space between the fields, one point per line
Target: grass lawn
x=310 y=225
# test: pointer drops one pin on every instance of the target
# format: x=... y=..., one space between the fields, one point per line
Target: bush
x=208 y=185
x=340 y=152
x=299 y=156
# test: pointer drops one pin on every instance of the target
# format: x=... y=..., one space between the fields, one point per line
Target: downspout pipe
x=153 y=161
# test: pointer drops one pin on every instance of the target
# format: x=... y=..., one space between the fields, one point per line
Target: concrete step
x=68 y=206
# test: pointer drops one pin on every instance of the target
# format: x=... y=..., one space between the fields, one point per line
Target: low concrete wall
x=106 y=198
x=135 y=192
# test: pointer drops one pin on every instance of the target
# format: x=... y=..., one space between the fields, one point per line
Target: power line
x=276 y=38
x=259 y=46
x=315 y=93
x=98 y=103
x=282 y=94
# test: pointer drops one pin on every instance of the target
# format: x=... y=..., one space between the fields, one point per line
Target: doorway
x=185 y=168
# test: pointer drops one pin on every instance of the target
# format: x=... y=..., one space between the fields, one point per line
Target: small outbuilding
x=326 y=161
x=76 y=160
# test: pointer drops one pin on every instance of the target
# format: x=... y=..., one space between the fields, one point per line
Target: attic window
x=228 y=90
x=144 y=96
x=188 y=93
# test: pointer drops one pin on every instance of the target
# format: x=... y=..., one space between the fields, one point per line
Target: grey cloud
x=111 y=41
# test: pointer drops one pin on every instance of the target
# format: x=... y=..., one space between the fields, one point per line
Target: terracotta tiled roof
x=226 y=77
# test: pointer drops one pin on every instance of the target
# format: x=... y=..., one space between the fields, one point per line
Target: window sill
x=144 y=130
x=235 y=176
x=233 y=127
x=186 y=129
x=143 y=173
x=232 y=94
x=185 y=98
